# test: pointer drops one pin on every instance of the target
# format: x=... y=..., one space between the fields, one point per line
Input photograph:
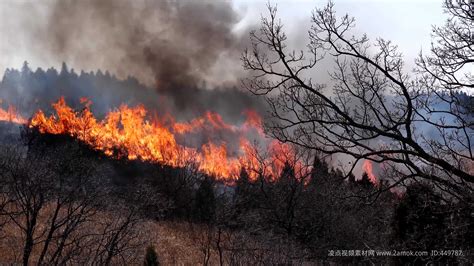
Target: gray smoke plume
x=178 y=47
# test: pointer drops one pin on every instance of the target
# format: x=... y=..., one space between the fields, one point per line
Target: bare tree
x=414 y=125
x=57 y=204
x=47 y=200
x=116 y=241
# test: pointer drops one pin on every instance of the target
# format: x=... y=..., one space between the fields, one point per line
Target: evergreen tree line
x=30 y=90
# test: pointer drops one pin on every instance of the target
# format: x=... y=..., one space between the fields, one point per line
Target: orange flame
x=11 y=115
x=126 y=132
x=368 y=168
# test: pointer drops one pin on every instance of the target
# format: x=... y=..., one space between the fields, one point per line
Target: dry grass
x=176 y=243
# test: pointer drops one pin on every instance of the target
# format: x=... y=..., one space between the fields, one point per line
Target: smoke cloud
x=174 y=46
x=187 y=51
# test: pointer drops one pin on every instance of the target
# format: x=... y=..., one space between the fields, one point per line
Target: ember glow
x=11 y=115
x=129 y=132
x=367 y=167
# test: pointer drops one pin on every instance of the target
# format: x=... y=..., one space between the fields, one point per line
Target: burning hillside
x=160 y=125
x=132 y=133
x=11 y=115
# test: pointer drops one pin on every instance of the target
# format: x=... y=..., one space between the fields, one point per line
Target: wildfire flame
x=127 y=132
x=11 y=115
x=368 y=168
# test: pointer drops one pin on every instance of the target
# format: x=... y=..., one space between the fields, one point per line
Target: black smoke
x=180 y=48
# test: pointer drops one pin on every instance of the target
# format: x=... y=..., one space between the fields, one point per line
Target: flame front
x=11 y=115
x=367 y=166
x=126 y=132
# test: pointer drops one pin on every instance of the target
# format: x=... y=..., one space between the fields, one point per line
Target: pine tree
x=205 y=202
x=287 y=174
x=245 y=197
x=365 y=181
x=242 y=184
x=25 y=70
x=64 y=70
x=320 y=170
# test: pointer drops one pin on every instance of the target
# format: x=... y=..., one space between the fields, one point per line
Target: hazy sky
x=407 y=23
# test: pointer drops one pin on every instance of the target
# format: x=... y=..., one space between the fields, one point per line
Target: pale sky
x=406 y=23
